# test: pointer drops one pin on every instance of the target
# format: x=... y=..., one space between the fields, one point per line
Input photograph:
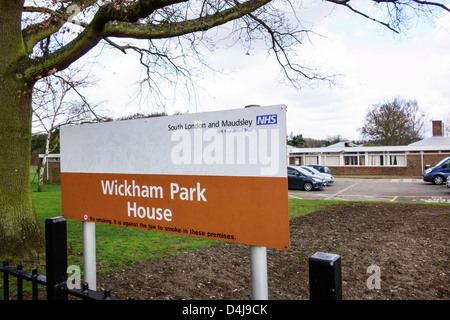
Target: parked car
x=448 y=182
x=299 y=178
x=321 y=168
x=439 y=173
x=328 y=177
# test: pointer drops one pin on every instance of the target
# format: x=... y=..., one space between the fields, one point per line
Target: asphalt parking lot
x=393 y=190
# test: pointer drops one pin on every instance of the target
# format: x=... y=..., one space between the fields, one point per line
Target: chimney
x=437 y=128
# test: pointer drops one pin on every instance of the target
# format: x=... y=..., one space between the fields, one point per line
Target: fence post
x=19 y=282
x=325 y=280
x=56 y=257
x=5 y=282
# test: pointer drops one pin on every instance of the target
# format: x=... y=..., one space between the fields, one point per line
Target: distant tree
x=38 y=141
x=396 y=122
x=315 y=143
x=141 y=116
x=53 y=109
x=329 y=140
x=335 y=139
x=298 y=141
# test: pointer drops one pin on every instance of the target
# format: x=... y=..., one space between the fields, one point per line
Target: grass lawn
x=120 y=247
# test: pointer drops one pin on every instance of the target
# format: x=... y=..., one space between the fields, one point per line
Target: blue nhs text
x=266 y=119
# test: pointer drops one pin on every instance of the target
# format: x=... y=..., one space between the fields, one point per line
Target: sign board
x=216 y=175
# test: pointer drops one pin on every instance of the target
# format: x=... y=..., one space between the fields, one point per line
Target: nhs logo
x=266 y=119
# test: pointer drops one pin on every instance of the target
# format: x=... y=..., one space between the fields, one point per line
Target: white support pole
x=90 y=267
x=258 y=266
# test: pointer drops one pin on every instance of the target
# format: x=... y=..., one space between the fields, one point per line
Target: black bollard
x=325 y=281
x=56 y=257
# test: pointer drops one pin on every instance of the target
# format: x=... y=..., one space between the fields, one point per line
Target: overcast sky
x=375 y=65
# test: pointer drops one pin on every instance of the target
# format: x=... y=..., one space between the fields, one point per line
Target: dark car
x=298 y=178
x=439 y=173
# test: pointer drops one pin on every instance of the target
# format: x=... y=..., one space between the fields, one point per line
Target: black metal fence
x=55 y=280
x=21 y=275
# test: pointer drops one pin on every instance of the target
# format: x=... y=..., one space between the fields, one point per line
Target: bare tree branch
x=394 y=8
x=175 y=29
x=165 y=19
x=283 y=58
x=119 y=20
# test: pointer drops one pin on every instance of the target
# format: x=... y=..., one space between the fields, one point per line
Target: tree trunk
x=19 y=227
x=20 y=231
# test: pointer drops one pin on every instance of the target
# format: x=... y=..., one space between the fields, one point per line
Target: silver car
x=328 y=177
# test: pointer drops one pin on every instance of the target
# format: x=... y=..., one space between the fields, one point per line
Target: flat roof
x=371 y=149
x=50 y=155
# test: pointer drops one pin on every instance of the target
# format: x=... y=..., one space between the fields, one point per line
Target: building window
x=355 y=159
x=376 y=160
x=350 y=160
x=332 y=160
x=387 y=159
x=311 y=160
x=397 y=160
x=367 y=159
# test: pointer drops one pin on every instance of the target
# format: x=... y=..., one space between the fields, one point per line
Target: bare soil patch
x=409 y=242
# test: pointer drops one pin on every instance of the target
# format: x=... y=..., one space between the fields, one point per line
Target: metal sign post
x=90 y=267
x=258 y=266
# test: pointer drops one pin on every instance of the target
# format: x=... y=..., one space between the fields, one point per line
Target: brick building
x=346 y=159
x=52 y=171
